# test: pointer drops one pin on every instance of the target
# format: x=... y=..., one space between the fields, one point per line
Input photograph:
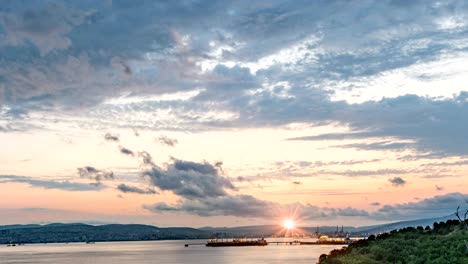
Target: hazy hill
x=269 y=230
x=5 y=227
x=78 y=232
x=397 y=225
x=82 y=233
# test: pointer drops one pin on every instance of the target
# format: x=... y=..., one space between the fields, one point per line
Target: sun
x=289 y=224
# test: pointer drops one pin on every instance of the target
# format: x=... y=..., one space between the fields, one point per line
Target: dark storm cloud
x=92 y=173
x=190 y=179
x=49 y=184
x=167 y=141
x=111 y=137
x=397 y=181
x=133 y=189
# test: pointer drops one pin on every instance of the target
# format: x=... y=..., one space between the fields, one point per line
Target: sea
x=170 y=251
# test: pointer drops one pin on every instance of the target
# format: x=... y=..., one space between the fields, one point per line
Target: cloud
x=94 y=174
x=204 y=191
x=407 y=118
x=133 y=189
x=146 y=158
x=249 y=206
x=164 y=140
x=360 y=173
x=49 y=184
x=189 y=179
x=397 y=181
x=43 y=24
x=439 y=205
x=111 y=137
x=126 y=151
x=309 y=63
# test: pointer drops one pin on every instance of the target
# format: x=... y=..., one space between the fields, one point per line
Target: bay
x=173 y=251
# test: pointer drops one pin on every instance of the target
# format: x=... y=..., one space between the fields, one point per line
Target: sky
x=228 y=113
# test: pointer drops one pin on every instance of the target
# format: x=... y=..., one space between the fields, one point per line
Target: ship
x=325 y=240
x=236 y=243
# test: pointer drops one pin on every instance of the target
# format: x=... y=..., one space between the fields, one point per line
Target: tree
x=464 y=220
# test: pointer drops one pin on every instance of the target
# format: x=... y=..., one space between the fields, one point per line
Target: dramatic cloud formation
x=360 y=91
x=204 y=191
x=189 y=179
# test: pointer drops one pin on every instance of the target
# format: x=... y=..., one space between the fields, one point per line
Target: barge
x=236 y=243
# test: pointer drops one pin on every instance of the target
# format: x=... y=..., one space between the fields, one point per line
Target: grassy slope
x=443 y=244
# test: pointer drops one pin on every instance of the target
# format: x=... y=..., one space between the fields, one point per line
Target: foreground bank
x=444 y=243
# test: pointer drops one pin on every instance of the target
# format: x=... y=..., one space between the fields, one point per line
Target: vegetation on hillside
x=56 y=233
x=445 y=243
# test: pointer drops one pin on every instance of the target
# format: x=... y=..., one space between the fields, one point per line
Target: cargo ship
x=236 y=243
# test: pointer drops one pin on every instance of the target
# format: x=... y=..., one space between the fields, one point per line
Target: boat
x=236 y=243
x=325 y=240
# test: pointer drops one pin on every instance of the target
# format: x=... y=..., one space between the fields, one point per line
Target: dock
x=237 y=243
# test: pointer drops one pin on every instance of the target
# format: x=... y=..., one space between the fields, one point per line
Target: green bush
x=443 y=244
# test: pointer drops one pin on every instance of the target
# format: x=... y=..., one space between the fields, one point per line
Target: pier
x=295 y=242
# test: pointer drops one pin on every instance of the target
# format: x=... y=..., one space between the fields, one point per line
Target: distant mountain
x=78 y=232
x=269 y=230
x=5 y=227
x=53 y=233
x=402 y=224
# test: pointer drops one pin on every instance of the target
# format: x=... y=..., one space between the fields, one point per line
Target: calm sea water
x=159 y=252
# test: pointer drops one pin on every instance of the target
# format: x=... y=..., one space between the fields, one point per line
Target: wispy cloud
x=164 y=140
x=133 y=189
x=49 y=184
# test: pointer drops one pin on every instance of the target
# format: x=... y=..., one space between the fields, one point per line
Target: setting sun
x=289 y=224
